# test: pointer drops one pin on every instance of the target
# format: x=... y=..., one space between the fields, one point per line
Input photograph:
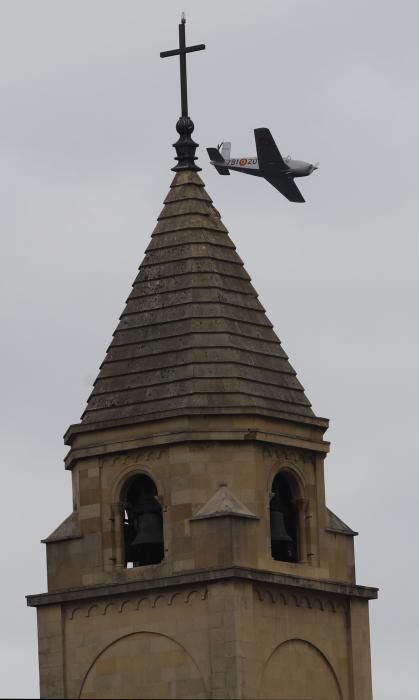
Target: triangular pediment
x=222 y=503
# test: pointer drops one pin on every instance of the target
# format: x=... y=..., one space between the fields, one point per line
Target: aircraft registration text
x=242 y=161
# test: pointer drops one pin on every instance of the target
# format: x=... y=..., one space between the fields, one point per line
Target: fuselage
x=296 y=168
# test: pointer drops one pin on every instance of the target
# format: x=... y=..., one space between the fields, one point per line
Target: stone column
x=301 y=505
x=117 y=536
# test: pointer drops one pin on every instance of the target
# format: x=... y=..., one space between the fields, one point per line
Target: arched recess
x=138 y=666
x=142 y=522
x=284 y=518
x=293 y=469
x=297 y=670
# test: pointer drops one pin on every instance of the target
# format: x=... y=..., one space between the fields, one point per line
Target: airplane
x=269 y=164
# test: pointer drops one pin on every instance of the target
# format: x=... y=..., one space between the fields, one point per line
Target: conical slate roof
x=193 y=337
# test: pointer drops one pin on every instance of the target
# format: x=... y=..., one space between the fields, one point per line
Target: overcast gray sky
x=87 y=119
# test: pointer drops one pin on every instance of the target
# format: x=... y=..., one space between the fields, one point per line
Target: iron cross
x=181 y=52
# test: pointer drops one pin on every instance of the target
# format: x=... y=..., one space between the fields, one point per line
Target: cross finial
x=185 y=146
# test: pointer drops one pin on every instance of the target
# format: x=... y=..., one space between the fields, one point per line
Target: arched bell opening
x=284 y=520
x=142 y=523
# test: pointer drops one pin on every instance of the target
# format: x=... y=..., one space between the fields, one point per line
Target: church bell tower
x=200 y=560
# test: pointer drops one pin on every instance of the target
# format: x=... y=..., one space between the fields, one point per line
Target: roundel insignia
x=242 y=161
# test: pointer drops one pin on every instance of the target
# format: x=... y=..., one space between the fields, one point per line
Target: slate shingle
x=193 y=336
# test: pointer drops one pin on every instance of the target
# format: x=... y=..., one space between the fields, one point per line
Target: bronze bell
x=150 y=529
x=278 y=530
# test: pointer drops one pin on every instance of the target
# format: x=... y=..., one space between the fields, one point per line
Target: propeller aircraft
x=269 y=164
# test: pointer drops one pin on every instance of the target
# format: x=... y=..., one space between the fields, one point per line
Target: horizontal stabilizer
x=217 y=161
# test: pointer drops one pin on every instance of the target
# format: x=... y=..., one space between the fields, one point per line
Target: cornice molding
x=178 y=436
x=202 y=577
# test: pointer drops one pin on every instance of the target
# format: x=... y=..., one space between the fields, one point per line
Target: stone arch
x=128 y=605
x=118 y=483
x=75 y=612
x=93 y=610
x=173 y=597
x=282 y=597
x=298 y=669
x=136 y=665
x=127 y=473
x=109 y=608
x=142 y=521
x=295 y=473
x=285 y=521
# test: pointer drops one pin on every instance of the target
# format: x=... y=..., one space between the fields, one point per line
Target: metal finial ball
x=185 y=126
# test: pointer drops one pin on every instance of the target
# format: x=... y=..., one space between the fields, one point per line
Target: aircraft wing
x=287 y=187
x=267 y=150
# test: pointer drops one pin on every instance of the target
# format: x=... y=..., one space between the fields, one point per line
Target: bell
x=278 y=530
x=150 y=530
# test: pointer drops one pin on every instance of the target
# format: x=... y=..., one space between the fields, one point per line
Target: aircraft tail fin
x=216 y=158
x=225 y=150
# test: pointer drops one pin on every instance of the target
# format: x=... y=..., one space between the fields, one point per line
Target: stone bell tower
x=200 y=560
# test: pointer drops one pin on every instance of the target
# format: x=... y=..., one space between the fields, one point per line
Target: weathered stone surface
x=201 y=295
x=199 y=357
x=201 y=309
x=192 y=370
x=189 y=251
x=195 y=266
x=221 y=341
x=188 y=236
x=186 y=281
x=190 y=205
x=196 y=324
x=189 y=221
x=193 y=331
x=181 y=192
